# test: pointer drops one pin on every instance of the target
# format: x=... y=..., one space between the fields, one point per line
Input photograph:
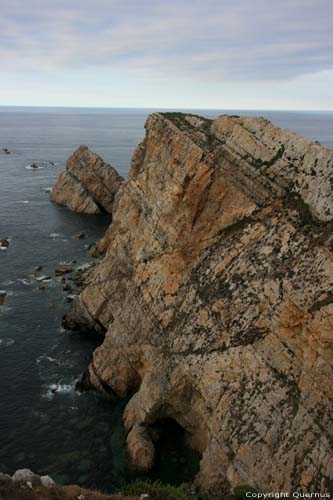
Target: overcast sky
x=254 y=54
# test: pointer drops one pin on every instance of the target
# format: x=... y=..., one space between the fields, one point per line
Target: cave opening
x=176 y=461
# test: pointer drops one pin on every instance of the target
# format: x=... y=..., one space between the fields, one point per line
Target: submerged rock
x=66 y=287
x=3 y=296
x=79 y=236
x=215 y=293
x=60 y=271
x=88 y=184
x=4 y=244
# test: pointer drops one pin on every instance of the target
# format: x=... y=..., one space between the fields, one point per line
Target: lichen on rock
x=209 y=292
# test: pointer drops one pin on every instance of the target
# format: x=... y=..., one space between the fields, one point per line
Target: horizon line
x=52 y=106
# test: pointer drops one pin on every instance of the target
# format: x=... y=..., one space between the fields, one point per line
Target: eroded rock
x=88 y=184
x=216 y=294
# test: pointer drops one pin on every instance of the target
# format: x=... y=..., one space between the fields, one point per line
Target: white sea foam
x=48 y=358
x=30 y=167
x=6 y=343
x=44 y=278
x=53 y=389
x=24 y=281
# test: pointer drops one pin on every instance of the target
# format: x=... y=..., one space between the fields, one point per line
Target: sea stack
x=216 y=296
x=88 y=184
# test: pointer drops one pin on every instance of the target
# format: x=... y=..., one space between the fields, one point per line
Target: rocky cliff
x=216 y=296
x=88 y=184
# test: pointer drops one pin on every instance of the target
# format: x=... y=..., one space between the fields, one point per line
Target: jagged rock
x=216 y=291
x=24 y=475
x=88 y=184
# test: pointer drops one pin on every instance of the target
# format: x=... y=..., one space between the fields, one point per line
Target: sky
x=220 y=54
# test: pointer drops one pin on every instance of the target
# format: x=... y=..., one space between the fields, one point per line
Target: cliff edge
x=216 y=295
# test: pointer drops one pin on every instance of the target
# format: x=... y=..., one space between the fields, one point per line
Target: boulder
x=47 y=481
x=24 y=475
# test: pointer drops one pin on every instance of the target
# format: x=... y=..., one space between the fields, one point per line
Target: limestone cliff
x=216 y=292
x=88 y=184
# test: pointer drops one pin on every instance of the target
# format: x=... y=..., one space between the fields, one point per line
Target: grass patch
x=179 y=119
x=158 y=491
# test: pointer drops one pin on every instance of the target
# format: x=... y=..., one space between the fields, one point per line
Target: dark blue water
x=74 y=438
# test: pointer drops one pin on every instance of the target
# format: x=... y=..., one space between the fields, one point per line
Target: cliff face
x=216 y=292
x=88 y=184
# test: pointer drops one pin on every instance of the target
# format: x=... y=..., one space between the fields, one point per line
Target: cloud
x=217 y=40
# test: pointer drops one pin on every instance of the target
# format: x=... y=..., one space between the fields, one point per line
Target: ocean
x=45 y=424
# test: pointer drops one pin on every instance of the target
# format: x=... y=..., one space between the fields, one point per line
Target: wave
x=31 y=167
x=61 y=389
x=6 y=343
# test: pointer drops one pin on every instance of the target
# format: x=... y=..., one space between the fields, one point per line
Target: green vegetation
x=158 y=491
x=179 y=119
x=295 y=202
x=237 y=226
x=259 y=163
x=239 y=492
x=322 y=303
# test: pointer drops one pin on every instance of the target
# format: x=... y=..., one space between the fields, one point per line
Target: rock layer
x=88 y=184
x=216 y=292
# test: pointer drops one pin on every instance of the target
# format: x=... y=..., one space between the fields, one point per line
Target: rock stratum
x=215 y=294
x=88 y=184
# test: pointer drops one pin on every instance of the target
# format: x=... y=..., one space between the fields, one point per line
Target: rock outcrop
x=88 y=184
x=25 y=485
x=216 y=292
